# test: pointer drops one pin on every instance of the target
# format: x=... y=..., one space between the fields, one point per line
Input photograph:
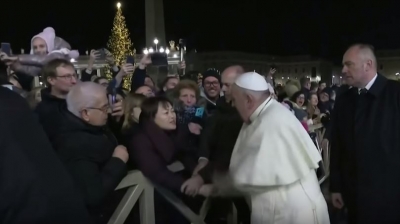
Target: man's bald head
x=365 y=51
x=359 y=65
x=86 y=95
x=228 y=78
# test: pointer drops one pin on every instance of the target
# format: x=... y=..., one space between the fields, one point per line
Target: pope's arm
x=336 y=147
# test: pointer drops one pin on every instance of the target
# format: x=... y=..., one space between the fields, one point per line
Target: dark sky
x=318 y=27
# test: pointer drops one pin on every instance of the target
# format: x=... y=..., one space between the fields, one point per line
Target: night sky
x=317 y=27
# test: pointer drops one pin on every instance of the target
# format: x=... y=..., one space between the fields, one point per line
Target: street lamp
x=167 y=51
x=175 y=56
x=145 y=51
x=156 y=42
x=118 y=5
x=162 y=50
x=151 y=50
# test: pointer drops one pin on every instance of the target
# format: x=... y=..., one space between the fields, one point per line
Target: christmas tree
x=120 y=43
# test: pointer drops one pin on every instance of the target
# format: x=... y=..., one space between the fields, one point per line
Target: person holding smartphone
x=45 y=47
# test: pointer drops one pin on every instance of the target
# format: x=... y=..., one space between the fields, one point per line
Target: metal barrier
x=323 y=148
x=139 y=188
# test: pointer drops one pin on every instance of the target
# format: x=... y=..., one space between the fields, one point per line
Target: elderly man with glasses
x=88 y=148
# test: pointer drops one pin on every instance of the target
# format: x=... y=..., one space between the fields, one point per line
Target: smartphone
x=112 y=98
x=199 y=112
x=130 y=59
x=6 y=48
x=112 y=93
x=103 y=54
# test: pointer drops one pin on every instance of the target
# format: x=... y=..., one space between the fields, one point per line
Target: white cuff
x=202 y=158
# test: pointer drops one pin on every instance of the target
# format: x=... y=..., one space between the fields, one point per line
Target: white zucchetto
x=252 y=81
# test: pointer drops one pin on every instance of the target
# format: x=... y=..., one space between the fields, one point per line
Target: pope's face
x=241 y=103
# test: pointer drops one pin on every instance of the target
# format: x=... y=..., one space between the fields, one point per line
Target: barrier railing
x=323 y=148
x=139 y=188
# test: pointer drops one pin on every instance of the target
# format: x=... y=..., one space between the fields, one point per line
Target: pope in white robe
x=274 y=160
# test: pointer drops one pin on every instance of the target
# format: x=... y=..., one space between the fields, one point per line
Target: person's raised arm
x=111 y=62
x=39 y=60
x=139 y=75
x=117 y=80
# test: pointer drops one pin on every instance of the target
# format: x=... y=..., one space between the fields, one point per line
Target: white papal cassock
x=274 y=162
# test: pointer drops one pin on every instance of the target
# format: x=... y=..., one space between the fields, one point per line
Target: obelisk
x=155 y=27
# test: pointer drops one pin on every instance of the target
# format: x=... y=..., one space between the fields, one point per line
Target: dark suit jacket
x=365 y=152
x=35 y=187
x=218 y=139
x=153 y=149
x=86 y=151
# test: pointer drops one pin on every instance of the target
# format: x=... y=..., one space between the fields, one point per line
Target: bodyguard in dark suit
x=35 y=187
x=365 y=155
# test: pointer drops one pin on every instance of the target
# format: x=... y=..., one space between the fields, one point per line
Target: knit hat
x=48 y=36
x=211 y=72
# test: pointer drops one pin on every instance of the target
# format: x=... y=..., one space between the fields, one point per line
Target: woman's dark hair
x=296 y=95
x=150 y=107
x=165 y=81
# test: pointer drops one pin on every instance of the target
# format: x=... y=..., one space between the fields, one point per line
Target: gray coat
x=32 y=64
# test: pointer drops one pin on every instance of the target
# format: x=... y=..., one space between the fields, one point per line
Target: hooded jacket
x=57 y=47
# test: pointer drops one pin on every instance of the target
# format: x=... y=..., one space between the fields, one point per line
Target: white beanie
x=48 y=36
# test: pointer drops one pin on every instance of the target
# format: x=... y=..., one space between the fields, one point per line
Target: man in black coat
x=365 y=154
x=88 y=148
x=60 y=76
x=35 y=187
x=217 y=143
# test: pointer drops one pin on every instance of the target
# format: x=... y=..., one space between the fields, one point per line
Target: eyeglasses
x=211 y=83
x=102 y=109
x=68 y=77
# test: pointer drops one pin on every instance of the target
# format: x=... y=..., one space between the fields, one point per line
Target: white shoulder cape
x=273 y=150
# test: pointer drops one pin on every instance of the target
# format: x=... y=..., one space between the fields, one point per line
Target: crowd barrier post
x=138 y=188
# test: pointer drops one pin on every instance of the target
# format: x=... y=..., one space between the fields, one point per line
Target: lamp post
x=156 y=43
x=118 y=5
x=171 y=51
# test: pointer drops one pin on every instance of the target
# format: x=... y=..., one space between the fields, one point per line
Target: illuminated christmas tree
x=120 y=43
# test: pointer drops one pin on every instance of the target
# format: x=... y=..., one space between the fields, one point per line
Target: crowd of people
x=66 y=146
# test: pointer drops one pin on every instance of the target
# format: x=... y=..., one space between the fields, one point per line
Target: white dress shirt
x=370 y=83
